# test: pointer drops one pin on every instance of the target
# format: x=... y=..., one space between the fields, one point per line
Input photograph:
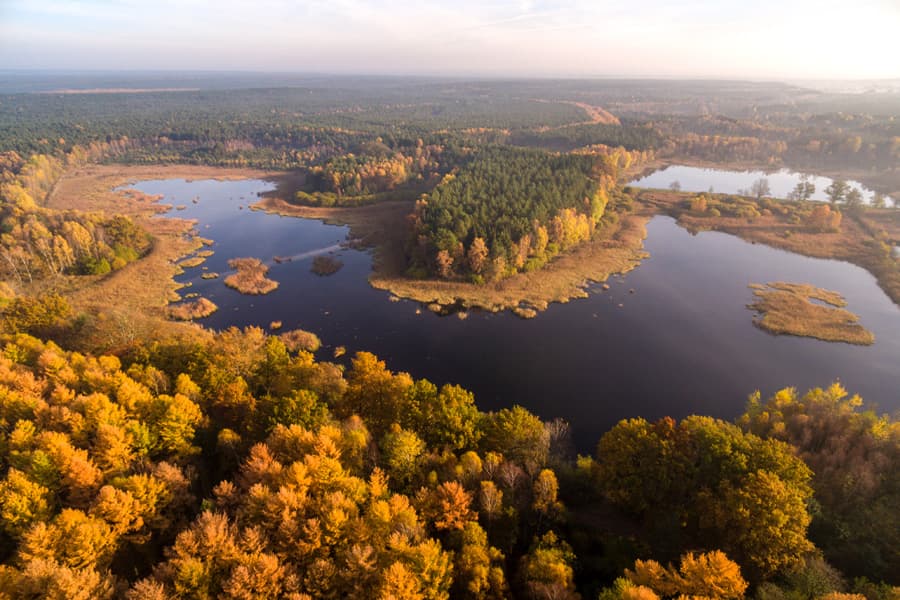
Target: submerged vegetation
x=326 y=265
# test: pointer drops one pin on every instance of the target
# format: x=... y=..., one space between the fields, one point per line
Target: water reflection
x=781 y=183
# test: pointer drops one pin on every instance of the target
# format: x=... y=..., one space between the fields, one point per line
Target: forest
x=512 y=209
x=377 y=171
x=305 y=125
x=235 y=468
x=36 y=243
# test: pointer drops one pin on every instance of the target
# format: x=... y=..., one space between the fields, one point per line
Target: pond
x=781 y=183
x=682 y=343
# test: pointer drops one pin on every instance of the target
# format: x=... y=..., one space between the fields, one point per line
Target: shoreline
x=615 y=250
x=853 y=243
x=886 y=183
x=134 y=302
x=148 y=286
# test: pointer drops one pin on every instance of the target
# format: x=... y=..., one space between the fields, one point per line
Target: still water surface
x=781 y=183
x=682 y=343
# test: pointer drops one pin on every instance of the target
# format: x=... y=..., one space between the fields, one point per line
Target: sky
x=756 y=39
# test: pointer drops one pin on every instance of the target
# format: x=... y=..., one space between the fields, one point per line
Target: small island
x=788 y=308
x=250 y=277
x=192 y=309
x=298 y=339
x=191 y=262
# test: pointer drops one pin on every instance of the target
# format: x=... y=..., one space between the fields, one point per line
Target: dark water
x=681 y=344
x=781 y=183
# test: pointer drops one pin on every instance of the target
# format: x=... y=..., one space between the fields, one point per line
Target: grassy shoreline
x=886 y=183
x=134 y=302
x=855 y=241
x=614 y=250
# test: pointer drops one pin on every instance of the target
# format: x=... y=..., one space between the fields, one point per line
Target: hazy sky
x=698 y=38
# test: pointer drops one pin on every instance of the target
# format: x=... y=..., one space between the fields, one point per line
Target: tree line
x=36 y=243
x=231 y=467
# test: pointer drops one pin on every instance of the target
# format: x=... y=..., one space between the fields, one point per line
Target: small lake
x=683 y=343
x=696 y=179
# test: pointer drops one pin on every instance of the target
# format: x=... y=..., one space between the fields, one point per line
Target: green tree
x=449 y=419
x=401 y=450
x=854 y=198
x=852 y=452
x=705 y=482
x=518 y=435
x=837 y=191
x=762 y=523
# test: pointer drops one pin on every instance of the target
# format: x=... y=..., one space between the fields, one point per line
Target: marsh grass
x=297 y=339
x=134 y=302
x=786 y=308
x=861 y=238
x=250 y=277
x=192 y=309
x=193 y=261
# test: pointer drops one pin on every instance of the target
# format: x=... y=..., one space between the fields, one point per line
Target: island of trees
x=509 y=210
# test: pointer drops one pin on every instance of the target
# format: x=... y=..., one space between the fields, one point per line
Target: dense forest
x=306 y=125
x=234 y=468
x=376 y=171
x=512 y=209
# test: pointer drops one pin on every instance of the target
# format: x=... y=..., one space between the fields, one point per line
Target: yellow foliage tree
x=709 y=575
x=477 y=255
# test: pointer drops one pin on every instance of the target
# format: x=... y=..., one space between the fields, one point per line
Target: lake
x=696 y=179
x=683 y=343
